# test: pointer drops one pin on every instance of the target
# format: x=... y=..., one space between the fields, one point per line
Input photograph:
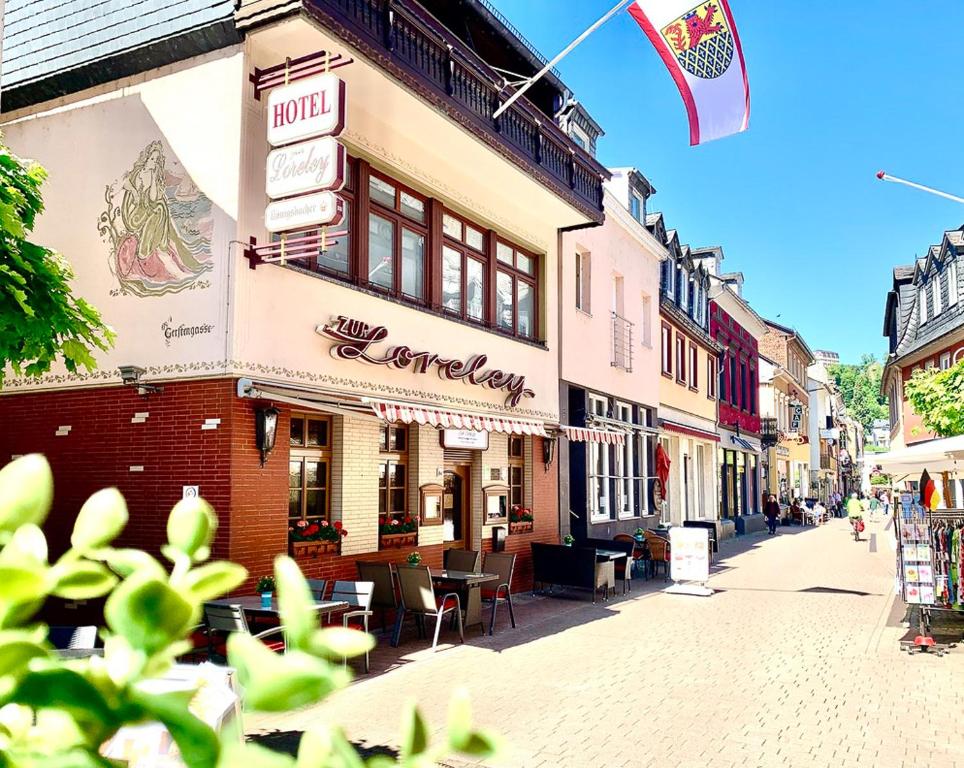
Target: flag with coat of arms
x=700 y=46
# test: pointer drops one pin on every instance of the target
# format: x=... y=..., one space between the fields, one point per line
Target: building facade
x=738 y=329
x=825 y=412
x=609 y=389
x=405 y=367
x=688 y=383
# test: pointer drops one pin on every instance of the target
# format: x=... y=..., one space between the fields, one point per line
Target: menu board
x=917 y=567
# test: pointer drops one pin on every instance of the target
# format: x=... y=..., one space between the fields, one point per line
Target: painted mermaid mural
x=158 y=224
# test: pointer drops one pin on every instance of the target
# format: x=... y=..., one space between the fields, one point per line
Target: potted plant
x=568 y=539
x=414 y=558
x=266 y=590
x=395 y=532
x=520 y=519
x=311 y=539
x=639 y=535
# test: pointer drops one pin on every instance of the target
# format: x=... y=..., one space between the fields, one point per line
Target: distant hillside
x=859 y=386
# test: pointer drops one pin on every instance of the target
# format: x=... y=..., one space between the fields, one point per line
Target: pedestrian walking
x=771 y=510
x=885 y=500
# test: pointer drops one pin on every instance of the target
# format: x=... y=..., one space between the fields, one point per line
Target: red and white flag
x=701 y=48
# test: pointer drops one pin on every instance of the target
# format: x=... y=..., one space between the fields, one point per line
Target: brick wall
x=773 y=345
x=726 y=330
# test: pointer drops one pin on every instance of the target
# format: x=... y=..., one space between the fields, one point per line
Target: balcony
x=404 y=39
x=622 y=343
x=769 y=435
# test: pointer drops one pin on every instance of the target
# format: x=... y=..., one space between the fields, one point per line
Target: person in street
x=819 y=512
x=885 y=501
x=771 y=510
x=855 y=509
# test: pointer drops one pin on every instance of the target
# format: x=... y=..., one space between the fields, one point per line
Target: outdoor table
x=609 y=554
x=252 y=604
x=470 y=586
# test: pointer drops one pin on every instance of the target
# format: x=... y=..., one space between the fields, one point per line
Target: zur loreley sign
x=303 y=120
x=355 y=340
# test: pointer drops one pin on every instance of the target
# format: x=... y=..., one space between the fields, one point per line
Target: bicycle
x=857 y=523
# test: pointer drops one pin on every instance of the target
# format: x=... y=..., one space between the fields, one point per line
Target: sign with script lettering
x=300 y=212
x=312 y=166
x=355 y=339
x=306 y=109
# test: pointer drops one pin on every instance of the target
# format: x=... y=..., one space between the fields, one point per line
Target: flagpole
x=887 y=177
x=565 y=51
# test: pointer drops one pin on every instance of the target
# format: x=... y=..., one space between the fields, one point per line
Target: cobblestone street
x=794 y=661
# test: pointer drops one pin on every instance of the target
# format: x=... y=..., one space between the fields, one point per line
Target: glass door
x=455 y=520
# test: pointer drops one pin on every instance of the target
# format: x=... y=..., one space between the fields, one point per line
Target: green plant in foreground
x=57 y=712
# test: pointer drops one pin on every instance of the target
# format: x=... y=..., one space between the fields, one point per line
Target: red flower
x=337 y=525
x=408 y=518
x=311 y=530
x=343 y=532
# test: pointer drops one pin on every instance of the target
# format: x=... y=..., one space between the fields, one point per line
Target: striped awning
x=436 y=417
x=586 y=435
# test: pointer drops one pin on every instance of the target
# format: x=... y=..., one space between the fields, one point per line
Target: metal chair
x=419 y=599
x=73 y=638
x=503 y=564
x=384 y=596
x=640 y=552
x=230 y=618
x=463 y=560
x=358 y=595
x=317 y=587
x=623 y=567
x=659 y=552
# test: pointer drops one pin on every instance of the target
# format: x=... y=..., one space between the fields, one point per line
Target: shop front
x=692 y=486
x=740 y=485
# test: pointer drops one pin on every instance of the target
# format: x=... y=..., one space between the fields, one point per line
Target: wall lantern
x=131 y=377
x=265 y=429
x=548 y=450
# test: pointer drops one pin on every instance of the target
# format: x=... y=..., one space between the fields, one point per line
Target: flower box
x=521 y=527
x=396 y=540
x=302 y=549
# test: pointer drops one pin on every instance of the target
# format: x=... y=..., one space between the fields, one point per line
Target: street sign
x=314 y=210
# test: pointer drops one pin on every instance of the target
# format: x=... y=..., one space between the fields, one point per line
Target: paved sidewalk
x=791 y=663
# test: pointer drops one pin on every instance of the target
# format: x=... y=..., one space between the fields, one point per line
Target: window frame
x=303 y=453
x=466 y=252
x=680 y=358
x=711 y=376
x=516 y=461
x=518 y=275
x=584 y=281
x=952 y=287
x=400 y=221
x=693 y=371
x=389 y=458
x=666 y=343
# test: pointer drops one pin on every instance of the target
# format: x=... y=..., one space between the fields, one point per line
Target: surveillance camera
x=130 y=374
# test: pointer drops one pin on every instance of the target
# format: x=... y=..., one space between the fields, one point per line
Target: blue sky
x=839 y=90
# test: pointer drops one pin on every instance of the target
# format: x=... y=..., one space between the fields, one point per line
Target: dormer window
x=637 y=206
x=952 y=284
x=922 y=302
x=936 y=291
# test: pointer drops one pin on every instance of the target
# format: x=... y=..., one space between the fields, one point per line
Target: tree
x=859 y=387
x=58 y=712
x=938 y=398
x=39 y=317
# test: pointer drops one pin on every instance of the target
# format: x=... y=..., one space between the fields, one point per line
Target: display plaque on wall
x=465 y=438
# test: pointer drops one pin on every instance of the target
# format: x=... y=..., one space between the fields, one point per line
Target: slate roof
x=53 y=47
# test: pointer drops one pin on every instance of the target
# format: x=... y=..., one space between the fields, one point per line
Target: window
x=515 y=291
x=744 y=402
x=618 y=474
x=646 y=323
x=393 y=473
x=669 y=282
x=601 y=461
x=516 y=471
x=694 y=371
x=711 y=377
x=753 y=393
x=396 y=239
x=922 y=302
x=667 y=342
x=463 y=269
x=685 y=288
x=637 y=206
x=680 y=359
x=309 y=469
x=952 y=284
x=733 y=383
x=928 y=365
x=936 y=292
x=583 y=281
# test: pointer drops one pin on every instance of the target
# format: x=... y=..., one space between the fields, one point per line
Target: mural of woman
x=161 y=230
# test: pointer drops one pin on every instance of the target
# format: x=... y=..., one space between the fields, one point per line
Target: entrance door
x=455 y=508
x=686 y=487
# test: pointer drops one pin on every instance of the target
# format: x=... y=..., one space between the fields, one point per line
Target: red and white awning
x=586 y=435
x=407 y=414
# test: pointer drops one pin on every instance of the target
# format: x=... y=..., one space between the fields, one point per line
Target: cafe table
x=470 y=586
x=609 y=554
x=252 y=604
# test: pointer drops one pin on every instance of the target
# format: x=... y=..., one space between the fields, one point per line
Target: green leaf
x=340 y=643
x=414 y=731
x=81 y=580
x=148 y=613
x=17 y=647
x=19 y=584
x=65 y=689
x=124 y=562
x=480 y=744
x=101 y=518
x=191 y=526
x=197 y=741
x=277 y=683
x=249 y=755
x=213 y=580
x=26 y=491
x=27 y=548
x=295 y=603
x=325 y=746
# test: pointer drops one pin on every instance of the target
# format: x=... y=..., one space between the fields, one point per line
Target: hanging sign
x=306 y=109
x=312 y=166
x=796 y=416
x=314 y=210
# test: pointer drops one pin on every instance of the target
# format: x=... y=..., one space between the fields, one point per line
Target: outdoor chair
x=226 y=619
x=419 y=600
x=73 y=638
x=503 y=564
x=463 y=560
x=384 y=596
x=623 y=567
x=358 y=595
x=640 y=553
x=317 y=587
x=659 y=553
x=605 y=578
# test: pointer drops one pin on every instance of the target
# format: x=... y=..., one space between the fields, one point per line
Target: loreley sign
x=306 y=109
x=318 y=209
x=311 y=166
x=355 y=339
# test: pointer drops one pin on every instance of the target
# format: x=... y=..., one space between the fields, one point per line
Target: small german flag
x=930 y=497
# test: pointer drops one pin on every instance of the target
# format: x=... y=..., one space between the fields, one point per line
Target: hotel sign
x=355 y=339
x=307 y=211
x=306 y=109
x=311 y=166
